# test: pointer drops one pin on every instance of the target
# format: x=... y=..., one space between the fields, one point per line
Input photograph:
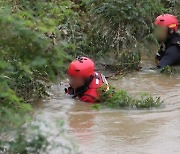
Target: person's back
x=166 y=32
x=169 y=53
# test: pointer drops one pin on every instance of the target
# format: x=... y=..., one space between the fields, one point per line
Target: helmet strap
x=170 y=31
x=84 y=88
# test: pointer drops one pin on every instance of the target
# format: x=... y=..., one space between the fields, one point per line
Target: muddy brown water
x=107 y=131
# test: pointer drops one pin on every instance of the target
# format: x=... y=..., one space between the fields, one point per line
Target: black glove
x=69 y=91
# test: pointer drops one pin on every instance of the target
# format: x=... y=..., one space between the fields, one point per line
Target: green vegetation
x=121 y=28
x=168 y=71
x=172 y=6
x=121 y=99
x=35 y=139
x=34 y=48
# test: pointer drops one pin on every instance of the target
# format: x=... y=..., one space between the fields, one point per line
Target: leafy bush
x=35 y=139
x=168 y=71
x=122 y=29
x=121 y=99
x=119 y=27
x=36 y=40
x=33 y=46
x=172 y=6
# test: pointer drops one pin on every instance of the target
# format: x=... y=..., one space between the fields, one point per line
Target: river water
x=107 y=131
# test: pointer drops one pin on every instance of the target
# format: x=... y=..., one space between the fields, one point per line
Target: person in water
x=84 y=81
x=169 y=39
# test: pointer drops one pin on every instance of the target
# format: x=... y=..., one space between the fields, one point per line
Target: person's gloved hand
x=69 y=91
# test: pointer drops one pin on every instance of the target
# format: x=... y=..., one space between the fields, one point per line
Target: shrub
x=119 y=27
x=121 y=99
x=34 y=48
x=168 y=71
x=35 y=139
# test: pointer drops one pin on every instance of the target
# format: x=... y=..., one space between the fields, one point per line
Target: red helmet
x=81 y=67
x=167 y=20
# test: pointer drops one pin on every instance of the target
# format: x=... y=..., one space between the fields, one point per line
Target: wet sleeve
x=88 y=98
x=171 y=57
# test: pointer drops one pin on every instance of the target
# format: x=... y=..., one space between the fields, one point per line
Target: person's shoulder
x=96 y=82
x=176 y=39
x=173 y=49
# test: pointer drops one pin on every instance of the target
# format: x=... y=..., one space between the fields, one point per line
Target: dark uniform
x=169 y=53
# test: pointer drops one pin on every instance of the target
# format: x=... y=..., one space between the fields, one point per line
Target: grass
x=121 y=99
x=168 y=71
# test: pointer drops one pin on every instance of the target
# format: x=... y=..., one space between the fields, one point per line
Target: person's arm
x=159 y=56
x=88 y=98
x=171 y=57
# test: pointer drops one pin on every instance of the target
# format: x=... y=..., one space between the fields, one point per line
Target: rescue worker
x=84 y=81
x=169 y=39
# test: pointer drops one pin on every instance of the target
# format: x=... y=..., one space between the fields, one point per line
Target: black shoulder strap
x=177 y=40
x=80 y=91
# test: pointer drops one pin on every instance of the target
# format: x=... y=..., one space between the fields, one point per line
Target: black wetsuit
x=169 y=53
